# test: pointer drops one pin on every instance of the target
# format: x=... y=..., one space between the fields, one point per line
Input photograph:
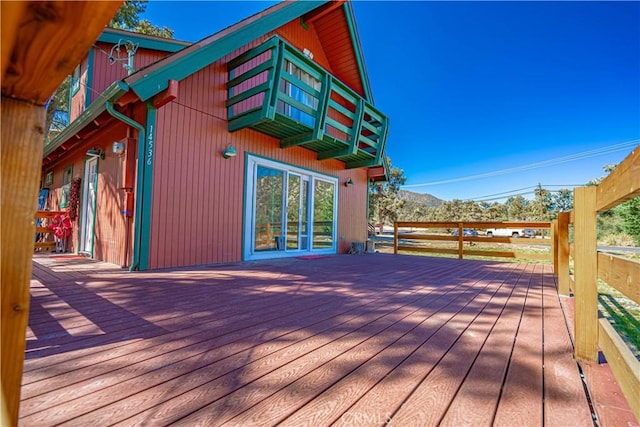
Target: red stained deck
x=344 y=340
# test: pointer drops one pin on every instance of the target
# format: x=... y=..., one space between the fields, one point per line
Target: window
x=48 y=179
x=75 y=80
x=67 y=177
x=299 y=93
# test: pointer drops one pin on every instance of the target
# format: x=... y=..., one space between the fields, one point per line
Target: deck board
x=343 y=340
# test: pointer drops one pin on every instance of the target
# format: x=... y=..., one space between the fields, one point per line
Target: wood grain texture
x=585 y=273
x=622 y=184
x=620 y=273
x=38 y=63
x=416 y=340
x=22 y=140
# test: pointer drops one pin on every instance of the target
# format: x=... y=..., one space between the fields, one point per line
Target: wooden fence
x=44 y=238
x=415 y=237
x=590 y=265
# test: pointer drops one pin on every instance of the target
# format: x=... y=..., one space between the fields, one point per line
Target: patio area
x=344 y=340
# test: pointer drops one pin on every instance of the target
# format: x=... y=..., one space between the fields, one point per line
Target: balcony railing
x=277 y=90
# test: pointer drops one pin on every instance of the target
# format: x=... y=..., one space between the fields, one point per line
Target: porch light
x=229 y=152
x=95 y=153
x=348 y=182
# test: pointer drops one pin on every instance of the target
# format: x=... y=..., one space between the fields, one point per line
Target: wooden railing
x=44 y=239
x=590 y=265
x=414 y=239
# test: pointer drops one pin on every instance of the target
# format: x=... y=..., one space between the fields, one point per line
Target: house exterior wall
x=97 y=73
x=112 y=229
x=198 y=196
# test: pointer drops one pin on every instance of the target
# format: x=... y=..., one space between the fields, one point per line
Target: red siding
x=296 y=35
x=110 y=224
x=333 y=32
x=197 y=213
x=103 y=73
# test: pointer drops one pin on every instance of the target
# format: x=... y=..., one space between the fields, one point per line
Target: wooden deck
x=343 y=340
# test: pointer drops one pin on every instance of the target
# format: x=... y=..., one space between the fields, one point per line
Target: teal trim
x=357 y=47
x=244 y=207
x=89 y=82
x=147 y=189
x=111 y=94
x=293 y=165
x=112 y=36
x=95 y=204
x=201 y=55
x=135 y=263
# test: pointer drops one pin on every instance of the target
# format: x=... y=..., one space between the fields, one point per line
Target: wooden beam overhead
x=45 y=41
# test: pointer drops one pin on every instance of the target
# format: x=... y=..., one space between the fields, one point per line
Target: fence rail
x=44 y=238
x=414 y=239
x=590 y=265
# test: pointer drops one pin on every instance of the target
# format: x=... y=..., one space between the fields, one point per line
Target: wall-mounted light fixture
x=118 y=148
x=348 y=182
x=95 y=153
x=229 y=152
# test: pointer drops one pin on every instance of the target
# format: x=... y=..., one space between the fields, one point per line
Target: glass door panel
x=269 y=209
x=293 y=213
x=323 y=212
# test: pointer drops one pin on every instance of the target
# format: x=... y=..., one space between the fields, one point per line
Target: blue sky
x=485 y=98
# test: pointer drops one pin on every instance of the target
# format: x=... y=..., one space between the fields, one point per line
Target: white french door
x=88 y=207
x=288 y=211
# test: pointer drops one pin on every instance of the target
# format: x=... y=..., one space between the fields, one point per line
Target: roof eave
x=357 y=47
x=112 y=93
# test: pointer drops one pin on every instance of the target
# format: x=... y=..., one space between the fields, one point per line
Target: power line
x=508 y=193
x=550 y=162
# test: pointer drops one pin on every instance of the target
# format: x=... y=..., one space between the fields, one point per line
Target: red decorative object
x=61 y=226
x=74 y=199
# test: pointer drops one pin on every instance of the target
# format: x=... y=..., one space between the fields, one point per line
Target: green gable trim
x=145 y=42
x=348 y=11
x=178 y=69
x=112 y=93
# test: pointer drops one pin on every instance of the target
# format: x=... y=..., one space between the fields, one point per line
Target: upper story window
x=298 y=93
x=75 y=80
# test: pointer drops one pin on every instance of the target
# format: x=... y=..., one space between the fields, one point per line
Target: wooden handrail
x=589 y=265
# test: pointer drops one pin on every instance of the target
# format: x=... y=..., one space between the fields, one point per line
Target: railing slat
x=622 y=184
x=621 y=274
x=625 y=367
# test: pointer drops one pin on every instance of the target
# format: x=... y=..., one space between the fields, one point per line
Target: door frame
x=83 y=226
x=249 y=213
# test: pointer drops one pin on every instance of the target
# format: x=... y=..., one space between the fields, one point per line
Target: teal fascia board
x=112 y=93
x=178 y=69
x=348 y=11
x=145 y=42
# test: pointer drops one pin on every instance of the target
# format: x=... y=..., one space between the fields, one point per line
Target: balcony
x=277 y=90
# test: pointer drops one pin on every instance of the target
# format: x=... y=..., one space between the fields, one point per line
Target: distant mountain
x=420 y=199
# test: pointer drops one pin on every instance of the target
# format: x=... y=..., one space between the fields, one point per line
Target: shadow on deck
x=347 y=340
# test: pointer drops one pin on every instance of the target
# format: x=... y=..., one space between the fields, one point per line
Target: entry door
x=88 y=213
x=289 y=211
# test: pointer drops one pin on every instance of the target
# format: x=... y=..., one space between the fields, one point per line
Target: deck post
x=586 y=270
x=563 y=253
x=22 y=141
x=395 y=238
x=460 y=240
x=554 y=245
